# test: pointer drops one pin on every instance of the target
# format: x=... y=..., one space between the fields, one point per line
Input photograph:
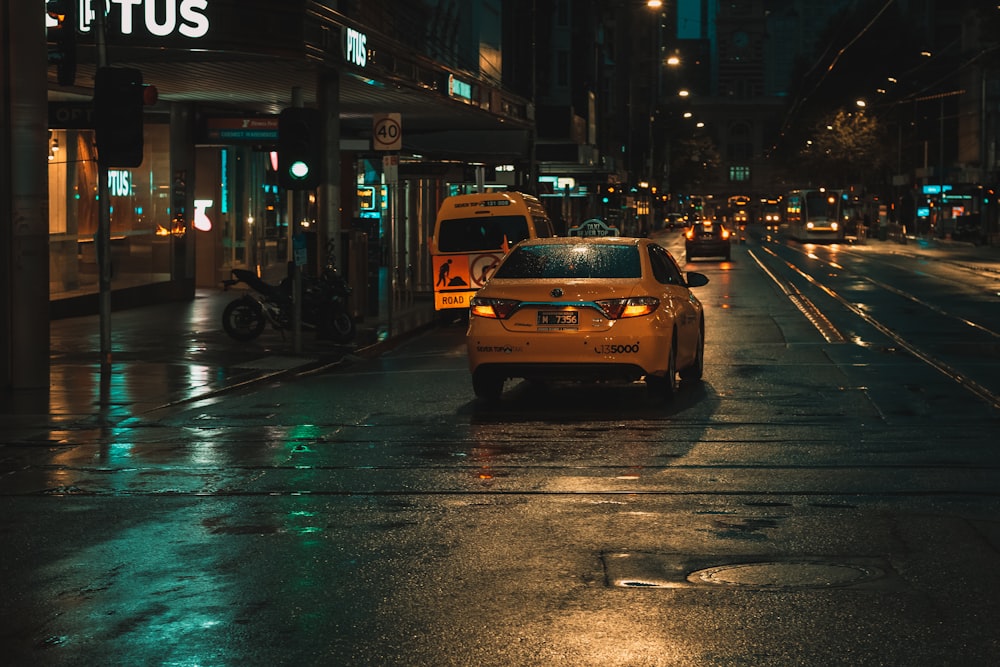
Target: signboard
x=390 y=167
x=387 y=133
x=355 y=47
x=593 y=227
x=207 y=25
x=460 y=276
x=254 y=130
x=300 y=249
x=366 y=198
x=71 y=115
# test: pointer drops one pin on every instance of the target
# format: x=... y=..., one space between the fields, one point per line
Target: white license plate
x=558 y=318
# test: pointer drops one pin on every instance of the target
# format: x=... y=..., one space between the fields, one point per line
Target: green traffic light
x=298 y=170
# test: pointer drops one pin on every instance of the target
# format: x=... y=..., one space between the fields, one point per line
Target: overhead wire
x=800 y=99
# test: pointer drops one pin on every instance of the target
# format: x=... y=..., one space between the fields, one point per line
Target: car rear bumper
x=593 y=372
x=562 y=356
x=707 y=249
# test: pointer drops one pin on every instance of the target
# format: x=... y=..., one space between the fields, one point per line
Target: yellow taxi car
x=587 y=309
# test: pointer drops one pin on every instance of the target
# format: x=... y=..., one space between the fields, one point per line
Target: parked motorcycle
x=324 y=306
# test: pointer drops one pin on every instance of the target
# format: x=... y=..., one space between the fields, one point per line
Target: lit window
x=739 y=174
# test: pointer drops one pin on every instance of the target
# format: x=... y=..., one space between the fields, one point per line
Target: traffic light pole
x=298 y=213
x=103 y=240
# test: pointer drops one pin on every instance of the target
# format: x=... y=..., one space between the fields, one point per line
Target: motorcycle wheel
x=243 y=319
x=340 y=327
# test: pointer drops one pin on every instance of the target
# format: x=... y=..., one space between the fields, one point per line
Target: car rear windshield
x=475 y=234
x=571 y=261
x=708 y=229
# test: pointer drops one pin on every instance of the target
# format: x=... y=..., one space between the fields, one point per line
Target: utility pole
x=103 y=241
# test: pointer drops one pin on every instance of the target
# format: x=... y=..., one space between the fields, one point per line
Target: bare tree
x=845 y=148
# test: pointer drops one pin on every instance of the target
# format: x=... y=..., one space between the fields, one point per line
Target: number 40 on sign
x=387 y=133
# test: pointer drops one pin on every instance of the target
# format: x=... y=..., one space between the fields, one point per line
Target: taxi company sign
x=593 y=227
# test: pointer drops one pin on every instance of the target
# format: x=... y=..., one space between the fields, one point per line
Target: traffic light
x=611 y=195
x=118 y=100
x=61 y=37
x=300 y=148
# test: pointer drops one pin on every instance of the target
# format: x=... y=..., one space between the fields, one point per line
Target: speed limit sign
x=387 y=133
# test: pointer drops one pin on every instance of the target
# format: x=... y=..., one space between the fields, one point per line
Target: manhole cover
x=787 y=574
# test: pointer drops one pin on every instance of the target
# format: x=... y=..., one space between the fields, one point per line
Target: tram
x=815 y=216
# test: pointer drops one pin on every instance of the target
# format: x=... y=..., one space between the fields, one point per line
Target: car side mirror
x=695 y=279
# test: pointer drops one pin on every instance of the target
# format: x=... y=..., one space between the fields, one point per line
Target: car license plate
x=558 y=318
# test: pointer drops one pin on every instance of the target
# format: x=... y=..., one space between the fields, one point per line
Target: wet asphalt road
x=827 y=496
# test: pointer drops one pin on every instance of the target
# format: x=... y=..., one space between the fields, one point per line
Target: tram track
x=964 y=380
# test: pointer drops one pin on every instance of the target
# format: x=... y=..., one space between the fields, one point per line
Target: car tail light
x=497 y=309
x=689 y=233
x=725 y=234
x=636 y=306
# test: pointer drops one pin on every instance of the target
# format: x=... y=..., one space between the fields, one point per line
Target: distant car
x=708 y=239
x=587 y=309
x=674 y=220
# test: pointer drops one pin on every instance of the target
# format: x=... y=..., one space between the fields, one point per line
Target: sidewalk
x=173 y=353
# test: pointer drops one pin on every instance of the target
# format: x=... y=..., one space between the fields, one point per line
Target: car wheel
x=694 y=372
x=487 y=384
x=666 y=386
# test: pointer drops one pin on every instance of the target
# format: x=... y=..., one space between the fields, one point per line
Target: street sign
x=387 y=132
x=390 y=167
x=300 y=249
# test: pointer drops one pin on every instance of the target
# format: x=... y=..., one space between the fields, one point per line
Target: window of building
x=739 y=174
x=141 y=226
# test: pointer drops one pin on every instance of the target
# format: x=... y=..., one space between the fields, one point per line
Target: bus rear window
x=475 y=234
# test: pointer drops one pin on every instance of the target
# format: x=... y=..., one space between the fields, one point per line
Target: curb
x=308 y=367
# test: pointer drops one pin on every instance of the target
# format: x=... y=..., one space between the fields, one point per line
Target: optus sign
x=158 y=18
x=355 y=47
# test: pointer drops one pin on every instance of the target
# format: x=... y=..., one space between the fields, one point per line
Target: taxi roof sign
x=593 y=227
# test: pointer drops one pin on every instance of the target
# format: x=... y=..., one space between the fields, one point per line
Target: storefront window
x=141 y=227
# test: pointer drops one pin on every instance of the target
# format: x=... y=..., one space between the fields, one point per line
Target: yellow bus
x=472 y=233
